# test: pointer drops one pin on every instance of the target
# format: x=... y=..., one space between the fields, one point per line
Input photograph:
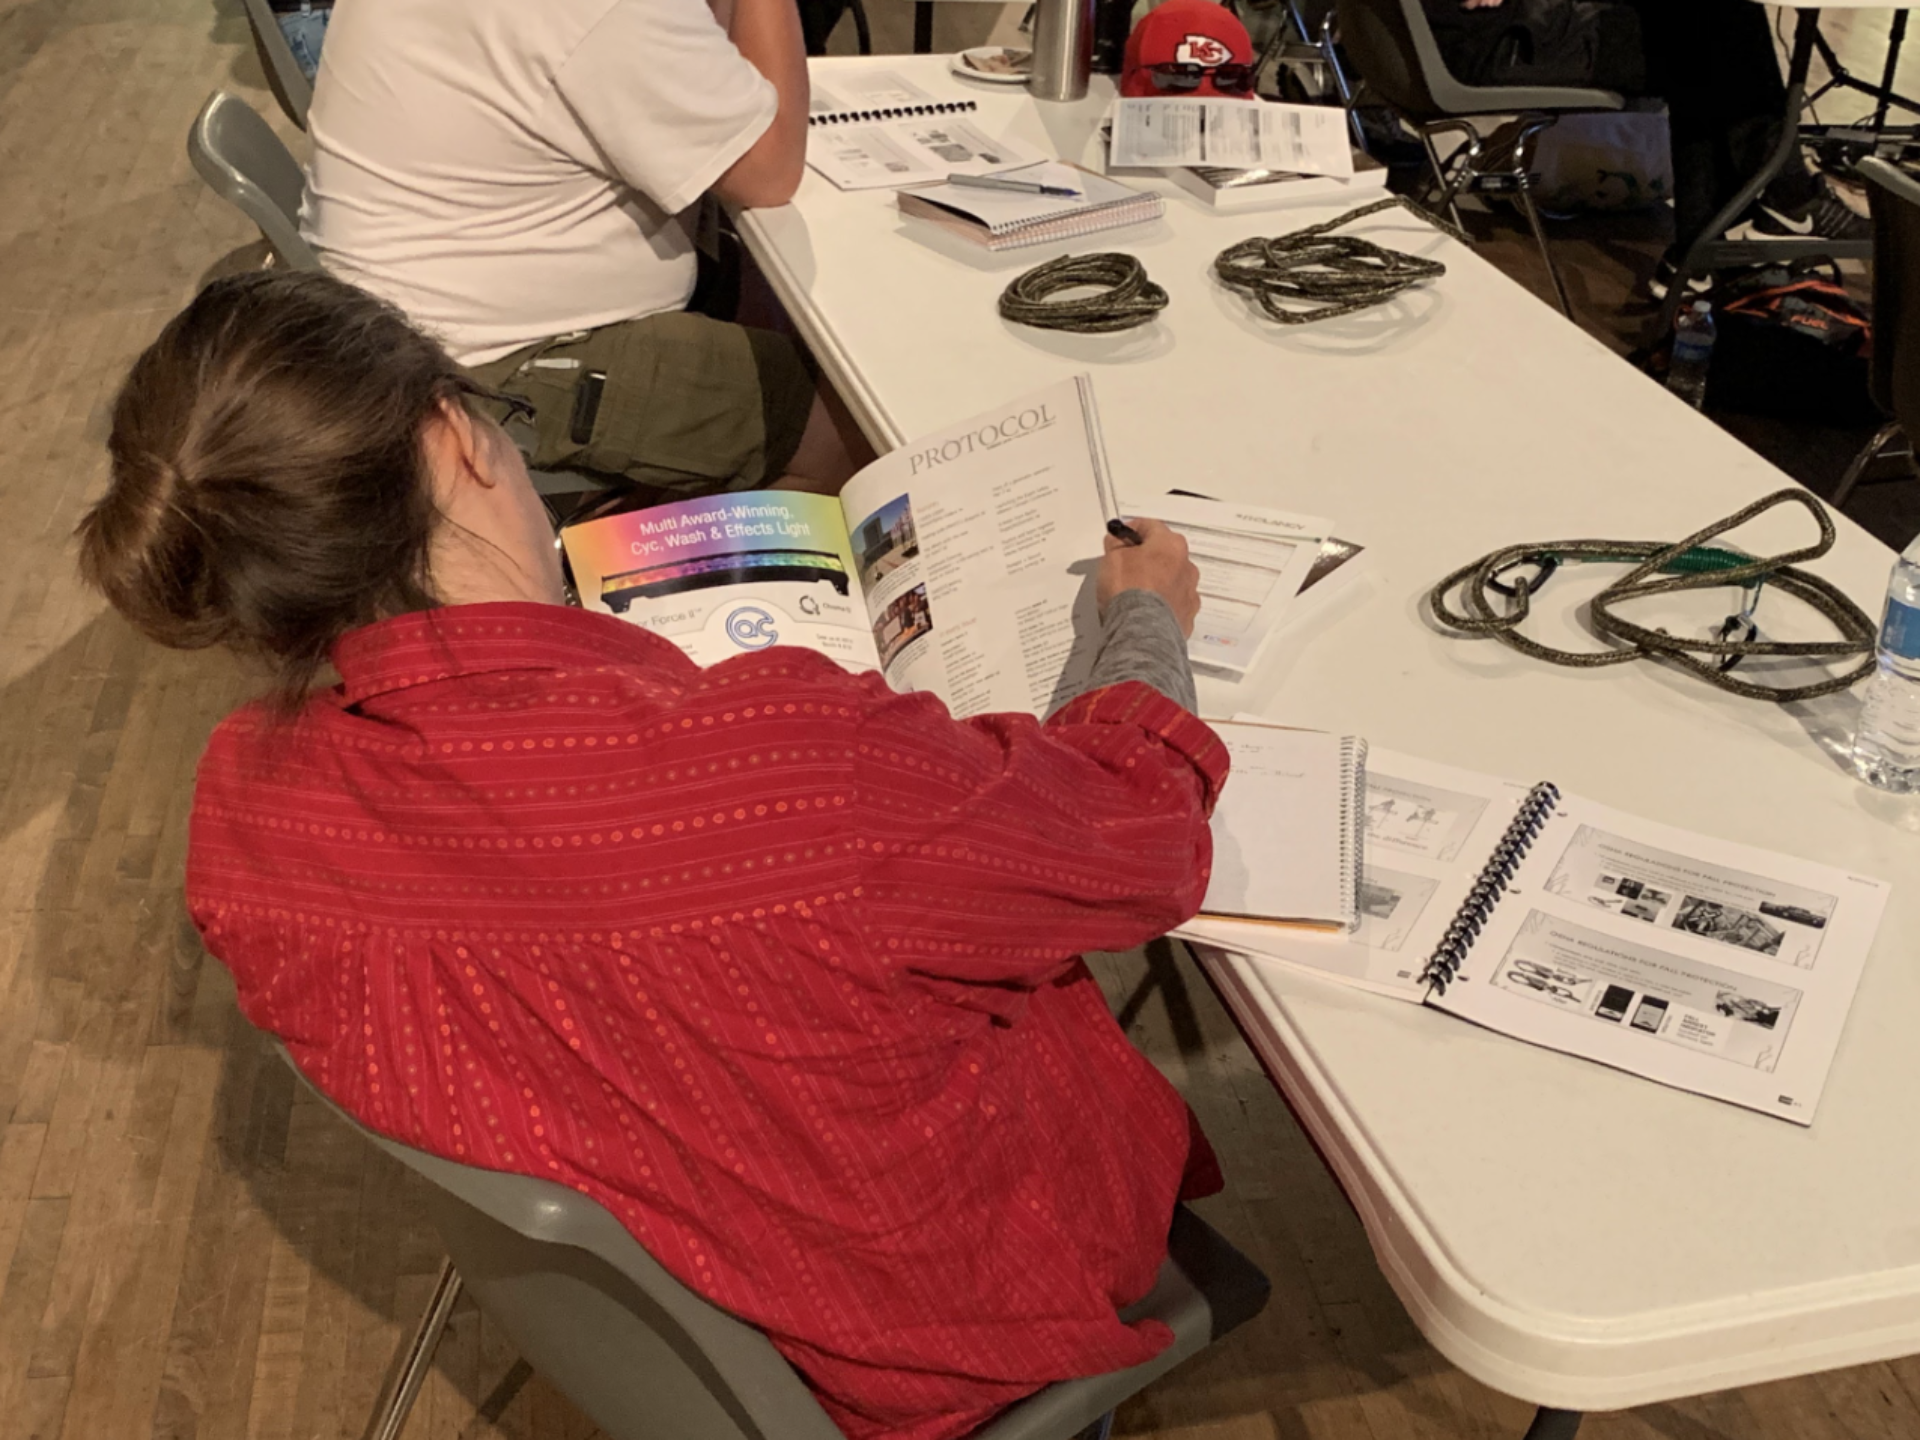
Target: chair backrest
x=647 y=1359
x=599 y=1317
x=285 y=78
x=1894 y=377
x=243 y=162
x=1393 y=48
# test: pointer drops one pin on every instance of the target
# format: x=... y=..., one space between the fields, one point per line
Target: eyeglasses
x=1181 y=76
x=517 y=407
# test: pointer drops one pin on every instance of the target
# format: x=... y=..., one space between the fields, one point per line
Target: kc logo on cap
x=1202 y=50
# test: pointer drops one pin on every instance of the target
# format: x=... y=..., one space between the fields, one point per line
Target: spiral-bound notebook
x=872 y=130
x=1007 y=221
x=1287 y=832
x=1701 y=963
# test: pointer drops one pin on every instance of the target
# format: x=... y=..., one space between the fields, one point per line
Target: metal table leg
x=1896 y=36
x=1549 y=1424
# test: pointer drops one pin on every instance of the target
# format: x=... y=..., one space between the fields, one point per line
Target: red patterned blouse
x=777 y=965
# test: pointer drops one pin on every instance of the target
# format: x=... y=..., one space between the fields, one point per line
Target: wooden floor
x=189 y=1248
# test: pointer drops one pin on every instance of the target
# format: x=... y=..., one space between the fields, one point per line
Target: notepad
x=1008 y=220
x=1287 y=831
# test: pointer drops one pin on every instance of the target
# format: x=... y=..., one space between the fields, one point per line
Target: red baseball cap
x=1185 y=32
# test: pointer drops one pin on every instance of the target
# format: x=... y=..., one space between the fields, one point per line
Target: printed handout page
x=1284 y=831
x=976 y=548
x=1253 y=564
x=872 y=130
x=865 y=90
x=910 y=150
x=1697 y=962
x=728 y=575
x=1237 y=134
x=1429 y=829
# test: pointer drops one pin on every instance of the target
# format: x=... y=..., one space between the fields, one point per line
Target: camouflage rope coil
x=1688 y=564
x=1330 y=275
x=1127 y=297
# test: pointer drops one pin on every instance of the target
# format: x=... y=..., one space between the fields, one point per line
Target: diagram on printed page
x=1658 y=994
x=1414 y=818
x=1665 y=891
x=1391 y=904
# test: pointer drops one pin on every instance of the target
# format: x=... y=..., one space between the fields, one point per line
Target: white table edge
x=1618 y=1366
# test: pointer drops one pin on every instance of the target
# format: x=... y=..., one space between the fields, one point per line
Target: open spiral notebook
x=1698 y=962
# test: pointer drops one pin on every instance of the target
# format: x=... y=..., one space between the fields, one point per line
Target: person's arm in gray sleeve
x=1141 y=640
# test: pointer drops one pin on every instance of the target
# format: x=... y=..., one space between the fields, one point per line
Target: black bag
x=1790 y=342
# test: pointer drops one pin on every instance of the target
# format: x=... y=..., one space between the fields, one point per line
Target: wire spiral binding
x=1353 y=830
x=1474 y=912
x=893 y=112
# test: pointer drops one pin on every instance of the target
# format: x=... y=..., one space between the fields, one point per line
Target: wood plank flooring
x=192 y=1249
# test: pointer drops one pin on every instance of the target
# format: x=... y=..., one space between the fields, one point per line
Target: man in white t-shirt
x=514 y=175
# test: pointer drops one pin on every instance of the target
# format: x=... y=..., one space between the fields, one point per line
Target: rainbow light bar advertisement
x=729 y=574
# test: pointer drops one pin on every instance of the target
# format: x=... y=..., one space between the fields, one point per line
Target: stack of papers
x=1241 y=134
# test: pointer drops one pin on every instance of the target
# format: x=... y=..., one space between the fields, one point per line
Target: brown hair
x=269 y=490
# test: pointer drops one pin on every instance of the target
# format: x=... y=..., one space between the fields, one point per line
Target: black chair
x=1393 y=47
x=647 y=1359
x=1893 y=377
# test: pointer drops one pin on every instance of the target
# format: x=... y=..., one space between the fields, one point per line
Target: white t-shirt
x=509 y=170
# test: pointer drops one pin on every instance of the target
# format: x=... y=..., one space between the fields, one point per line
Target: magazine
x=961 y=563
x=1697 y=962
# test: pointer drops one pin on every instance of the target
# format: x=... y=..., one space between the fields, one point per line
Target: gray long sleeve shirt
x=1140 y=640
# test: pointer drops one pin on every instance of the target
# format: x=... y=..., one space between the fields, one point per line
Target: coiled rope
x=1687 y=564
x=1330 y=275
x=1127 y=297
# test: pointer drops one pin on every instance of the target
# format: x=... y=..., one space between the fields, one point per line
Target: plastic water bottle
x=1886 y=747
x=1692 y=349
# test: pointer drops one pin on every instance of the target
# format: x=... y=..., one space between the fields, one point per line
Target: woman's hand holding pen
x=1156 y=560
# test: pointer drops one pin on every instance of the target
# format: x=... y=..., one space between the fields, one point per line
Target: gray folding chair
x=244 y=163
x=1893 y=374
x=647 y=1359
x=1393 y=47
x=285 y=78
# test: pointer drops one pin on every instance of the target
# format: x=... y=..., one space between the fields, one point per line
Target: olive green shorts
x=685 y=405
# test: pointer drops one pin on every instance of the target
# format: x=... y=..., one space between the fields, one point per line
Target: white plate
x=960 y=66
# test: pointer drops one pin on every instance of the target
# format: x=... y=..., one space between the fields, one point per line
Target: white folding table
x=1565 y=1233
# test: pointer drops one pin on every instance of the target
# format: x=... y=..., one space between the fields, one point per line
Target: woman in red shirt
x=779 y=966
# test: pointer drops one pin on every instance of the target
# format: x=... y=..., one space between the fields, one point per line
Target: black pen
x=1121 y=530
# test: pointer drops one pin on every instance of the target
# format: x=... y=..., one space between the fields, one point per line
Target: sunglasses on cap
x=1180 y=76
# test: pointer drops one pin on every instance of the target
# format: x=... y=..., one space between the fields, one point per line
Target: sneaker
x=1664 y=273
x=1826 y=216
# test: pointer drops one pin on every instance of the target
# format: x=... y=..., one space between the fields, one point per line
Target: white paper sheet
x=1240 y=134
x=1253 y=562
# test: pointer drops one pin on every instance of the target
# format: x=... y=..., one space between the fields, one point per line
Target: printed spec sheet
x=1698 y=962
